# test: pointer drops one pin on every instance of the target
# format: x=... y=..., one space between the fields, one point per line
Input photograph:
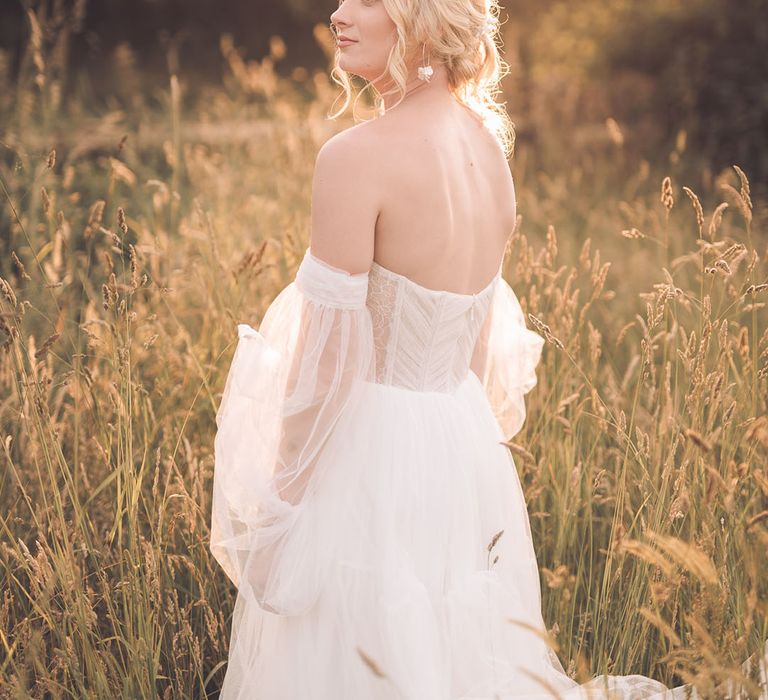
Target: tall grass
x=129 y=254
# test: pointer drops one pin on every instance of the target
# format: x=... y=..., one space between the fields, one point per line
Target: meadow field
x=137 y=228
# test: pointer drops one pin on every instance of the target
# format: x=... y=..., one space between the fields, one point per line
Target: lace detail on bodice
x=424 y=338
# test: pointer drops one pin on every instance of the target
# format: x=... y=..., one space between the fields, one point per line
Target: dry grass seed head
x=745 y=194
x=697 y=207
x=741 y=203
x=20 y=266
x=667 y=196
x=717 y=218
x=8 y=292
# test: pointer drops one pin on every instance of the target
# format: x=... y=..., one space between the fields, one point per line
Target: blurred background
x=656 y=67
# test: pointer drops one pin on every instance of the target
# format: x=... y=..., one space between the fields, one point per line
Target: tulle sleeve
x=288 y=384
x=505 y=358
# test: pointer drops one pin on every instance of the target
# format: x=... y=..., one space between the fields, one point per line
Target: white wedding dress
x=365 y=508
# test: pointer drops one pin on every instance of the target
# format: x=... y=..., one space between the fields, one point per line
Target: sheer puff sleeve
x=505 y=358
x=287 y=385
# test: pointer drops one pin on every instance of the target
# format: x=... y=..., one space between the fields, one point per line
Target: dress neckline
x=485 y=289
x=392 y=273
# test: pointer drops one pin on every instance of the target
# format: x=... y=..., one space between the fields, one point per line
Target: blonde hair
x=461 y=34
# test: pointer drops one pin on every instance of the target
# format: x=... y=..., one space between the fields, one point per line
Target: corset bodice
x=424 y=338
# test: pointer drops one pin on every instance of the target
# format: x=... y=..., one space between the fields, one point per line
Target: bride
x=363 y=502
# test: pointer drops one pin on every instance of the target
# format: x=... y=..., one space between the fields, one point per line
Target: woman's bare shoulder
x=377 y=149
x=357 y=153
x=369 y=138
x=346 y=201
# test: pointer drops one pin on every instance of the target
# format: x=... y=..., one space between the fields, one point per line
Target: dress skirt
x=416 y=550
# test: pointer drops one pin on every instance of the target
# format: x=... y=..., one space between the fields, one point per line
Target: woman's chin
x=350 y=67
x=346 y=65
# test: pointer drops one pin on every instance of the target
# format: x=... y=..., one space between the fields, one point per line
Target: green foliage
x=658 y=67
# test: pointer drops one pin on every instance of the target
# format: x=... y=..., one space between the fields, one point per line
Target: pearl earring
x=425 y=71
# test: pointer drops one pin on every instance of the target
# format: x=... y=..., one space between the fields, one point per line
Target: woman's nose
x=337 y=18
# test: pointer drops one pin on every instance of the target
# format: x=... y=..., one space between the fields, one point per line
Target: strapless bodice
x=424 y=337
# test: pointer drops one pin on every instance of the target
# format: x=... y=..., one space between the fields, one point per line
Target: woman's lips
x=345 y=42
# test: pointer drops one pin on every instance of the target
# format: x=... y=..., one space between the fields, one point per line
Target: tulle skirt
x=415 y=552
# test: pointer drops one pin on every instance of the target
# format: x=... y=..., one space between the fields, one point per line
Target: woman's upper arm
x=346 y=197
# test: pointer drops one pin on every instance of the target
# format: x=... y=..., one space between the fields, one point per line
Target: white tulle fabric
x=286 y=388
x=359 y=482
x=506 y=356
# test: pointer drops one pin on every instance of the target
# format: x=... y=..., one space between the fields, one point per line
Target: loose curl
x=461 y=34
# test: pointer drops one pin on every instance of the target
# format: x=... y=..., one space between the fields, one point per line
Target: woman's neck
x=414 y=86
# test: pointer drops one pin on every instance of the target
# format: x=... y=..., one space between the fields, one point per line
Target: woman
x=364 y=505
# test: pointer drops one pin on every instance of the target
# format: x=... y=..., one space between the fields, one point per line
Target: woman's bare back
x=447 y=199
